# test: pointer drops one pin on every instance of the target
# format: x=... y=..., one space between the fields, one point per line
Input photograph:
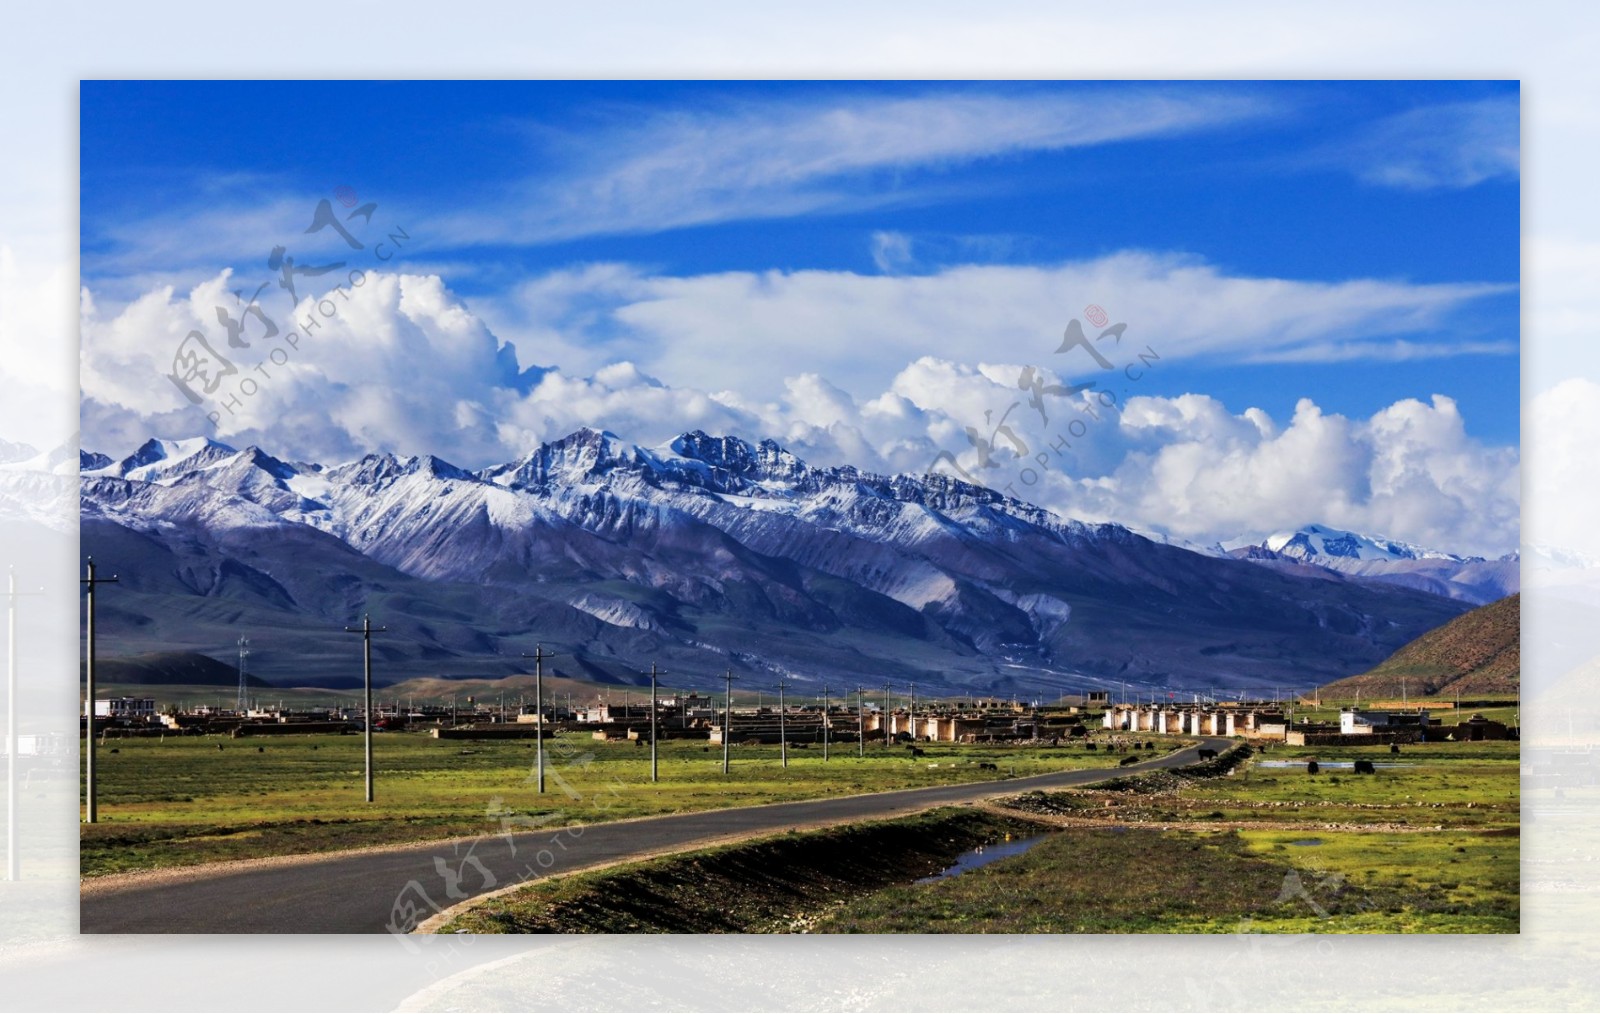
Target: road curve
x=373 y=892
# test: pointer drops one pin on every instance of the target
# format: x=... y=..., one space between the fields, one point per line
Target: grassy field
x=1431 y=846
x=1142 y=880
x=182 y=800
x=780 y=883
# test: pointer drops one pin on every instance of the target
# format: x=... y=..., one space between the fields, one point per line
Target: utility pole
x=10 y=725
x=911 y=713
x=655 y=774
x=824 y=721
x=885 y=721
x=366 y=630
x=783 y=729
x=90 y=808
x=861 y=723
x=538 y=657
x=727 y=719
x=244 y=653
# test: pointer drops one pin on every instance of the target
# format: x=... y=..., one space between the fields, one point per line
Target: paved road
x=374 y=891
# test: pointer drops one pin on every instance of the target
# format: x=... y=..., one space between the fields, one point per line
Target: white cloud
x=891 y=251
x=784 y=157
x=400 y=363
x=1451 y=145
x=746 y=330
x=1564 y=466
x=36 y=350
x=404 y=365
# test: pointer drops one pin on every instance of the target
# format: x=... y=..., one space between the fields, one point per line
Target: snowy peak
x=581 y=458
x=740 y=459
x=1319 y=542
x=157 y=460
x=89 y=461
x=381 y=469
x=15 y=451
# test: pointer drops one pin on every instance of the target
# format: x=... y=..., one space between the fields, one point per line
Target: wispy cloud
x=630 y=171
x=1453 y=145
x=784 y=158
x=742 y=330
x=891 y=251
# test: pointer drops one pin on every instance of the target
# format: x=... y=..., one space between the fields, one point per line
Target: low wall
x=1357 y=739
x=493 y=732
x=292 y=729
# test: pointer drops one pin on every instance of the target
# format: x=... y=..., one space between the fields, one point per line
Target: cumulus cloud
x=405 y=365
x=397 y=362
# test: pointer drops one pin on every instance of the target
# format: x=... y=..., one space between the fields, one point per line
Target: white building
x=1365 y=723
x=137 y=708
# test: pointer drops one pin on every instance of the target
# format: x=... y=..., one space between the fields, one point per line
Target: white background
x=1553 y=48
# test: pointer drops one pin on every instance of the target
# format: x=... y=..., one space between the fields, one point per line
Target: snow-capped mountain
x=700 y=554
x=1467 y=578
x=1317 y=542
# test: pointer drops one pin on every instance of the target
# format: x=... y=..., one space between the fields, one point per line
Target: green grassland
x=182 y=800
x=1431 y=846
x=1140 y=880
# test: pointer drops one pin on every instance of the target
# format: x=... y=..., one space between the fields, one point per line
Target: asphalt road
x=391 y=891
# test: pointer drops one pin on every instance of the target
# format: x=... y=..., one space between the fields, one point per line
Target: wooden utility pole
x=89 y=788
x=366 y=630
x=885 y=720
x=655 y=773
x=861 y=722
x=824 y=721
x=727 y=719
x=911 y=713
x=783 y=729
x=538 y=657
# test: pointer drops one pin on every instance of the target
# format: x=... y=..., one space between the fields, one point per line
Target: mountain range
x=705 y=554
x=1472 y=579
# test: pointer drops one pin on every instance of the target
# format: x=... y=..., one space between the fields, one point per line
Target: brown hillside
x=1475 y=653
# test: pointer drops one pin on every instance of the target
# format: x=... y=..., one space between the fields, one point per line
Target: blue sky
x=1351 y=243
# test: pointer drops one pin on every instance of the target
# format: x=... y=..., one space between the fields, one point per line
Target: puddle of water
x=1324 y=765
x=1307 y=841
x=983 y=855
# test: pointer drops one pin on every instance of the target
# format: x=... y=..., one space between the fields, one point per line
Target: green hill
x=1475 y=653
x=158 y=668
